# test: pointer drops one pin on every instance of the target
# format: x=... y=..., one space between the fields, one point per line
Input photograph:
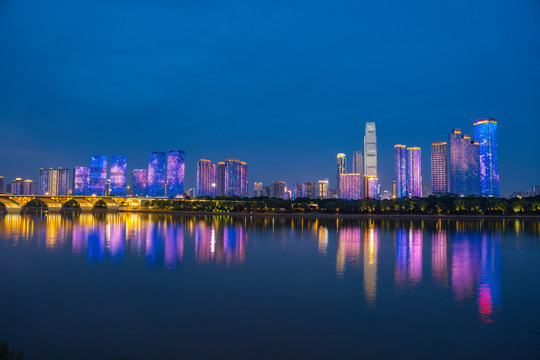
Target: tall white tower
x=370 y=150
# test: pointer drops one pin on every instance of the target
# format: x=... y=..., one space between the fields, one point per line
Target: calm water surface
x=162 y=287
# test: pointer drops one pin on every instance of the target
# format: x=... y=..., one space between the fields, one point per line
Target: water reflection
x=461 y=257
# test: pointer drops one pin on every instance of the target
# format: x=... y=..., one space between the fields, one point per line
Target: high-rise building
x=370 y=150
x=439 y=168
x=17 y=186
x=400 y=170
x=221 y=170
x=140 y=182
x=535 y=190
x=206 y=178
x=311 y=190
x=258 y=189
x=157 y=169
x=358 y=163
x=235 y=178
x=81 y=180
x=300 y=190
x=278 y=189
x=98 y=175
x=63 y=181
x=27 y=187
x=426 y=189
x=175 y=173
x=118 y=175
x=414 y=172
x=485 y=132
x=43 y=181
x=52 y=182
x=1 y=184
x=371 y=187
x=351 y=186
x=394 y=189
x=341 y=167
x=464 y=164
x=323 y=189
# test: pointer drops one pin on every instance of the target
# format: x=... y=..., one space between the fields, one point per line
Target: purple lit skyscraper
x=118 y=175
x=485 y=133
x=414 y=172
x=206 y=178
x=235 y=178
x=439 y=172
x=175 y=173
x=140 y=182
x=81 y=180
x=98 y=175
x=157 y=169
x=351 y=186
x=464 y=164
x=400 y=169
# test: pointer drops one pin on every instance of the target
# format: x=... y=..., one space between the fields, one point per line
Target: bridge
x=56 y=203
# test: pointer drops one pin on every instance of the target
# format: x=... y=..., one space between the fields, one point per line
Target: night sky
x=283 y=85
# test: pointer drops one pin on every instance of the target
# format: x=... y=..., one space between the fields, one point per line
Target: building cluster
x=461 y=166
x=228 y=178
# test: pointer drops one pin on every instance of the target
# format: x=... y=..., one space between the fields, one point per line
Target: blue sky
x=283 y=85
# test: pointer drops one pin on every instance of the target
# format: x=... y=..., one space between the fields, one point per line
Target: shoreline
x=343 y=216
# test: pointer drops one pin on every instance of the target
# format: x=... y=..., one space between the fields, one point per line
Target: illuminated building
x=371 y=187
x=220 y=178
x=63 y=181
x=175 y=173
x=235 y=178
x=323 y=189
x=358 y=163
x=17 y=186
x=351 y=186
x=464 y=164
x=311 y=190
x=98 y=175
x=1 y=184
x=439 y=168
x=370 y=150
x=278 y=189
x=301 y=190
x=43 y=181
x=485 y=132
x=206 y=178
x=258 y=189
x=400 y=170
x=157 y=168
x=341 y=167
x=535 y=190
x=140 y=182
x=414 y=172
x=394 y=189
x=81 y=180
x=52 y=182
x=118 y=175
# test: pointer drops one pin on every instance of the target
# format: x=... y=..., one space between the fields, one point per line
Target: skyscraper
x=278 y=189
x=63 y=181
x=323 y=189
x=206 y=178
x=175 y=173
x=140 y=182
x=341 y=166
x=43 y=181
x=235 y=178
x=414 y=172
x=485 y=132
x=371 y=187
x=1 y=184
x=311 y=190
x=351 y=186
x=81 y=180
x=157 y=169
x=370 y=150
x=400 y=170
x=118 y=175
x=258 y=189
x=358 y=163
x=27 y=187
x=464 y=164
x=98 y=175
x=17 y=186
x=220 y=178
x=439 y=172
x=52 y=182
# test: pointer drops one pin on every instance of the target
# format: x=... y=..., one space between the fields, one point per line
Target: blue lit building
x=140 y=182
x=235 y=178
x=118 y=175
x=157 y=173
x=464 y=164
x=98 y=175
x=175 y=173
x=485 y=132
x=81 y=180
x=400 y=155
x=43 y=181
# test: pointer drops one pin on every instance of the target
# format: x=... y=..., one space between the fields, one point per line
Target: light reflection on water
x=463 y=257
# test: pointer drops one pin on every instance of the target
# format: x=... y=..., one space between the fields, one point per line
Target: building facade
x=221 y=170
x=351 y=186
x=358 y=163
x=175 y=173
x=235 y=178
x=157 y=173
x=43 y=181
x=464 y=164
x=118 y=175
x=98 y=175
x=371 y=187
x=311 y=190
x=278 y=189
x=324 y=186
x=485 y=133
x=258 y=189
x=370 y=150
x=1 y=185
x=81 y=180
x=439 y=168
x=400 y=170
x=341 y=167
x=140 y=182
x=206 y=178
x=414 y=172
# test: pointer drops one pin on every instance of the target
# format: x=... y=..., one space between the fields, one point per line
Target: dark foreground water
x=163 y=287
